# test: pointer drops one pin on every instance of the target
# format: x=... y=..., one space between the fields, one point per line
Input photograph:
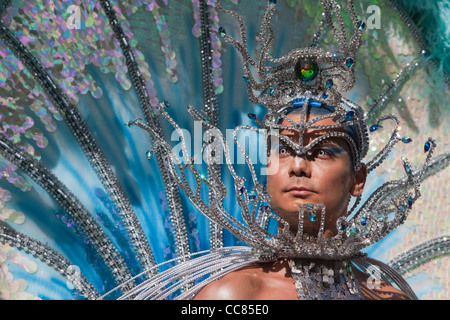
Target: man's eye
x=323 y=153
x=284 y=151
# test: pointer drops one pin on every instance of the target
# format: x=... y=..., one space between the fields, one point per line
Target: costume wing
x=86 y=204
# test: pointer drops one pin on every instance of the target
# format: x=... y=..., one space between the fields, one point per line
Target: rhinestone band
x=211 y=108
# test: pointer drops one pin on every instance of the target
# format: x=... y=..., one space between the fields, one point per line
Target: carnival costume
x=116 y=232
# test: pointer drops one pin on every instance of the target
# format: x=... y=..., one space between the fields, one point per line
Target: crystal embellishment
x=361 y=25
x=222 y=32
x=349 y=62
x=312 y=216
x=306 y=69
x=406 y=140
x=329 y=83
x=349 y=115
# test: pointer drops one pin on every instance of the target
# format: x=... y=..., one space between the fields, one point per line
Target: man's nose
x=299 y=166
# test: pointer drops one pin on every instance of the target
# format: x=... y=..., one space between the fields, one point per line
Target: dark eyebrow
x=328 y=143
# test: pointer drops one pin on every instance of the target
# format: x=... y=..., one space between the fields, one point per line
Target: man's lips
x=300 y=191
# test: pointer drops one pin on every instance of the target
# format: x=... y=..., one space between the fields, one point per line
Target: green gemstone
x=329 y=84
x=306 y=69
x=353 y=232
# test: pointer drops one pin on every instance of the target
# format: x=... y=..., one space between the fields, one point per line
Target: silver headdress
x=305 y=77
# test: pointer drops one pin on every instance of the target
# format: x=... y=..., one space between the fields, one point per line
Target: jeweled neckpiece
x=324 y=280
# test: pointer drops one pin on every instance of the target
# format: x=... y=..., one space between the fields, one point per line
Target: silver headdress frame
x=305 y=77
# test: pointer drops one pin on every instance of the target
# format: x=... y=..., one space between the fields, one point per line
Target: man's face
x=324 y=175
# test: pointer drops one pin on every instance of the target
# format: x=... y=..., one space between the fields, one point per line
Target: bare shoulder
x=380 y=290
x=237 y=285
x=383 y=291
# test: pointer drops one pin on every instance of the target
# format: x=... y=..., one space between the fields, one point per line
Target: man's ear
x=359 y=181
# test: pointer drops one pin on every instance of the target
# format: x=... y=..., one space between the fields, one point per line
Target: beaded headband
x=307 y=77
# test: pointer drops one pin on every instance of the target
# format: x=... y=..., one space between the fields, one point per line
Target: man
x=323 y=175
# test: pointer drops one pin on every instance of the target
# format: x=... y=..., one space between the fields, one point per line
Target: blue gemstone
x=363 y=221
x=324 y=96
x=312 y=216
x=373 y=128
x=406 y=140
x=246 y=79
x=407 y=169
x=426 y=53
x=251 y=116
x=252 y=195
x=273 y=2
x=402 y=209
x=349 y=115
x=166 y=104
x=361 y=25
x=271 y=91
x=349 y=62
x=410 y=201
x=242 y=190
x=427 y=146
x=222 y=32
x=329 y=83
x=343 y=227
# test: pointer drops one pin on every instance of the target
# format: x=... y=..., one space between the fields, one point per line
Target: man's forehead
x=310 y=135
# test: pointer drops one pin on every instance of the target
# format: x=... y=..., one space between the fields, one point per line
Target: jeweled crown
x=306 y=77
x=325 y=74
